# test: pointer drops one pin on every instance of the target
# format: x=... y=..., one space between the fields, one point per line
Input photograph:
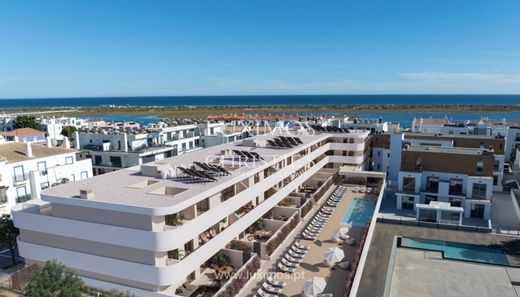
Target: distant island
x=202 y=111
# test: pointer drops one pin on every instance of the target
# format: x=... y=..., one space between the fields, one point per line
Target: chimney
x=86 y=194
x=76 y=140
x=48 y=141
x=66 y=142
x=29 y=153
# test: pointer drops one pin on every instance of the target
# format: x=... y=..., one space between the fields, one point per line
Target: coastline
x=202 y=111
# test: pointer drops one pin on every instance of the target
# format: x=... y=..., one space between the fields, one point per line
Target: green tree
x=25 y=121
x=68 y=131
x=53 y=280
x=121 y=294
x=8 y=234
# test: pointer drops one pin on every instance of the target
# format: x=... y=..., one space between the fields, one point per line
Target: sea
x=395 y=116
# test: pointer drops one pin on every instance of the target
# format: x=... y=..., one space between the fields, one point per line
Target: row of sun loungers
x=336 y=197
x=293 y=257
x=367 y=190
x=316 y=224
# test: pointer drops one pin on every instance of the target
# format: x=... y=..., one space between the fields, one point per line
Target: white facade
x=23 y=178
x=116 y=235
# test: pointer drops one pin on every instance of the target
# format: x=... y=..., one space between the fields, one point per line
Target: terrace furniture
x=270 y=289
x=264 y=294
x=284 y=268
x=298 y=251
x=276 y=283
x=301 y=246
x=292 y=259
x=295 y=254
x=309 y=236
x=288 y=263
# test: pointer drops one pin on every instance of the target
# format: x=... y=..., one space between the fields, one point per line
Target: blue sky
x=122 y=48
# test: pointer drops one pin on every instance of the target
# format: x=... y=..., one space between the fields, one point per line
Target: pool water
x=459 y=251
x=359 y=212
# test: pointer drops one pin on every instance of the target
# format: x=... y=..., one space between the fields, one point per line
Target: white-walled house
x=28 y=168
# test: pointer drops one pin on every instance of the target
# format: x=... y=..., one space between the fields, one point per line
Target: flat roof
x=17 y=151
x=426 y=273
x=445 y=150
x=124 y=187
x=439 y=135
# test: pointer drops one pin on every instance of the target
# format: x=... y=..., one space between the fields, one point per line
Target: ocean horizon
x=478 y=99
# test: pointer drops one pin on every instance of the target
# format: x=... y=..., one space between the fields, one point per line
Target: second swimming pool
x=359 y=212
x=459 y=251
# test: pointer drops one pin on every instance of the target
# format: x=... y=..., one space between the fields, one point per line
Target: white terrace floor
x=312 y=264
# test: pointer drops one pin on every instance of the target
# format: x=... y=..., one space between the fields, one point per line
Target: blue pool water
x=359 y=212
x=459 y=251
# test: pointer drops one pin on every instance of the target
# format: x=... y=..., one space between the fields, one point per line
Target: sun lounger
x=287 y=263
x=264 y=294
x=295 y=254
x=301 y=246
x=298 y=250
x=292 y=259
x=276 y=283
x=270 y=289
x=309 y=237
x=284 y=268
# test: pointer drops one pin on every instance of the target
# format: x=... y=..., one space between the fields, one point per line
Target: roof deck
x=125 y=187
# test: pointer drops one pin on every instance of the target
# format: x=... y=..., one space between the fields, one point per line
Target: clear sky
x=218 y=47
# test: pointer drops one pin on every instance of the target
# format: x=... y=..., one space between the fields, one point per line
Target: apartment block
x=446 y=184
x=152 y=228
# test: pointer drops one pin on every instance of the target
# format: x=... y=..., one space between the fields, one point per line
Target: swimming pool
x=459 y=251
x=359 y=212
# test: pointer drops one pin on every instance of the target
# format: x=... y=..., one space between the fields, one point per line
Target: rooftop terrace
x=119 y=187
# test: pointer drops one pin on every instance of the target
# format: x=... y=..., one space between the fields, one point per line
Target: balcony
x=21 y=199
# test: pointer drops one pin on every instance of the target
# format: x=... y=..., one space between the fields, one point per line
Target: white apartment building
x=142 y=228
x=53 y=126
x=26 y=169
x=459 y=182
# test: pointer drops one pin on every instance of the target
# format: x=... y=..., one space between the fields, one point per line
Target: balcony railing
x=23 y=198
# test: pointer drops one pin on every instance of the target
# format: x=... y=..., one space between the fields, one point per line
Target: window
x=42 y=167
x=19 y=175
x=456 y=186
x=84 y=175
x=495 y=180
x=69 y=160
x=44 y=185
x=477 y=211
x=379 y=153
x=408 y=202
x=455 y=201
x=3 y=194
x=429 y=198
x=450 y=217
x=479 y=191
x=432 y=184
x=21 y=194
x=428 y=215
x=115 y=161
x=409 y=184
x=480 y=166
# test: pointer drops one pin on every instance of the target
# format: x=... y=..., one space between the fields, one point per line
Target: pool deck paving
x=312 y=264
x=376 y=266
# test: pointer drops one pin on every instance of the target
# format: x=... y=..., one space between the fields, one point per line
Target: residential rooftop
x=17 y=151
x=440 y=135
x=447 y=150
x=146 y=194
